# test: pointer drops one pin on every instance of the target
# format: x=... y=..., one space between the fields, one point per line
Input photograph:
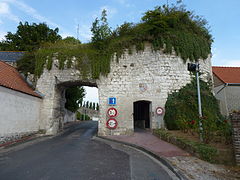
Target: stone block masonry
x=144 y=77
x=235 y=120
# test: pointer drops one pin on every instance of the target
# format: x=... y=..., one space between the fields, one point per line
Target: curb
x=159 y=158
x=20 y=141
x=31 y=138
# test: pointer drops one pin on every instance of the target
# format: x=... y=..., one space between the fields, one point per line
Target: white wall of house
x=220 y=94
x=19 y=114
x=233 y=98
x=229 y=98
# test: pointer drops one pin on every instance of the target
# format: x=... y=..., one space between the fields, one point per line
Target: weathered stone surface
x=146 y=75
x=235 y=120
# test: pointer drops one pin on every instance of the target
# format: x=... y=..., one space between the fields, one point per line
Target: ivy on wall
x=170 y=29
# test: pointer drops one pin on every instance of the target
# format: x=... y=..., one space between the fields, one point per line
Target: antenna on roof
x=78 y=32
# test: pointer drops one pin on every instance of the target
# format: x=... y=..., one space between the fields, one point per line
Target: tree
x=100 y=30
x=74 y=96
x=27 y=62
x=90 y=106
x=71 y=40
x=87 y=104
x=29 y=37
x=97 y=107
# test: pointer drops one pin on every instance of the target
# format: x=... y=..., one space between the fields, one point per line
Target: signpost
x=112 y=101
x=112 y=112
x=159 y=111
x=112 y=123
x=195 y=68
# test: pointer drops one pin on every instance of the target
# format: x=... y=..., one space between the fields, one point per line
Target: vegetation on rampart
x=169 y=29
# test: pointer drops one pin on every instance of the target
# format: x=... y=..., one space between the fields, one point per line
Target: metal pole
x=199 y=104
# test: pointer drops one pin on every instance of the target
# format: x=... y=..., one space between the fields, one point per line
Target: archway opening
x=78 y=101
x=141 y=114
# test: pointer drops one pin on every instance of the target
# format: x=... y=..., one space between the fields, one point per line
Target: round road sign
x=159 y=111
x=112 y=123
x=112 y=112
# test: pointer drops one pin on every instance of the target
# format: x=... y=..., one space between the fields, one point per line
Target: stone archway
x=52 y=84
x=149 y=75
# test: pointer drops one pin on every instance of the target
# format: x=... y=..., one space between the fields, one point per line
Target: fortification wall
x=147 y=75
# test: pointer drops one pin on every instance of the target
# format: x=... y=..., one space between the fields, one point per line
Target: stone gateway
x=140 y=82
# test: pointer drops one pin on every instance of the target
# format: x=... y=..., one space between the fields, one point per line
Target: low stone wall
x=235 y=120
x=90 y=112
x=69 y=116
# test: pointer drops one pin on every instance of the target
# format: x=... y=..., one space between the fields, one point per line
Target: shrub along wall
x=203 y=151
x=182 y=112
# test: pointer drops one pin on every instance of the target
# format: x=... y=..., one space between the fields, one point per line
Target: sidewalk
x=152 y=143
x=189 y=166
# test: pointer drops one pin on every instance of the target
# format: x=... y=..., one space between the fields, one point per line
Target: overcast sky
x=223 y=17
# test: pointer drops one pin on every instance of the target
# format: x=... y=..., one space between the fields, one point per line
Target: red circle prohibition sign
x=159 y=111
x=112 y=112
x=112 y=123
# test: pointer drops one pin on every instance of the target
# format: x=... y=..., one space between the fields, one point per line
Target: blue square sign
x=112 y=101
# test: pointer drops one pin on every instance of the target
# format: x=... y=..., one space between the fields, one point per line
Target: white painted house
x=19 y=105
x=227 y=88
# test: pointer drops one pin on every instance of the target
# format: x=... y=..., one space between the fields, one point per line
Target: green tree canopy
x=29 y=37
x=71 y=40
x=74 y=97
x=166 y=28
x=100 y=30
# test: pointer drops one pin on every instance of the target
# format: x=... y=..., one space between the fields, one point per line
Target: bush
x=82 y=117
x=203 y=151
x=79 y=115
x=182 y=110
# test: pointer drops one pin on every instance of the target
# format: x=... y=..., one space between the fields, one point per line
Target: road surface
x=77 y=155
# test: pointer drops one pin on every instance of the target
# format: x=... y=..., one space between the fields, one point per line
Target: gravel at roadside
x=196 y=169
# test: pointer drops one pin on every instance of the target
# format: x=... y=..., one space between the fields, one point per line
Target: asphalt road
x=77 y=155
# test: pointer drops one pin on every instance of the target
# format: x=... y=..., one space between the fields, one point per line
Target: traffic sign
x=112 y=112
x=159 y=111
x=112 y=101
x=112 y=123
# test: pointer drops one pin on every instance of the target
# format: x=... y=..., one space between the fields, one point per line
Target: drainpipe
x=226 y=103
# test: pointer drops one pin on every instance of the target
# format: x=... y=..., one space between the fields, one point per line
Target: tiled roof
x=11 y=56
x=10 y=78
x=227 y=74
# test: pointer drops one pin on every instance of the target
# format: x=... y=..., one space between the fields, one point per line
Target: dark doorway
x=141 y=114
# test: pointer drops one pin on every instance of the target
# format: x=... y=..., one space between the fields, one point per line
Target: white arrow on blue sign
x=112 y=101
